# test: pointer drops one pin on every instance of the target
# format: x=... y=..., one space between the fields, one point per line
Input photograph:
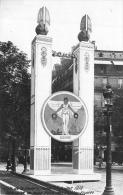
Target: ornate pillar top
x=86 y=28
x=43 y=21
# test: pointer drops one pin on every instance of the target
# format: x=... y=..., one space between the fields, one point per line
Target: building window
x=104 y=81
x=101 y=54
x=98 y=99
x=103 y=69
x=113 y=82
x=97 y=82
x=120 y=81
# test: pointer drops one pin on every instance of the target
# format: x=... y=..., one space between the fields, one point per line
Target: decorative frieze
x=108 y=55
x=43 y=158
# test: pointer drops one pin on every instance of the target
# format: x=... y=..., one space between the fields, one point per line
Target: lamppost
x=107 y=94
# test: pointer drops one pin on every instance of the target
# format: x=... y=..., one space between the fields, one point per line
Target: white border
x=66 y=138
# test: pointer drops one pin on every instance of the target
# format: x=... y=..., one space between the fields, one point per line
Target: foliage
x=117 y=119
x=100 y=122
x=14 y=92
x=99 y=126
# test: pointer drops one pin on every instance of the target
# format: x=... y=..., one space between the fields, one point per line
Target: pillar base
x=108 y=191
x=40 y=172
x=67 y=177
x=41 y=161
x=83 y=171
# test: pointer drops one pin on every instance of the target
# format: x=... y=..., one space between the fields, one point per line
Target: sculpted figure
x=65 y=110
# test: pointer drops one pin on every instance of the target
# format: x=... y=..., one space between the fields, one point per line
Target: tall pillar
x=83 y=86
x=40 y=141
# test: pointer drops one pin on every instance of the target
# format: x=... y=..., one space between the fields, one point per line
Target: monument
x=64 y=116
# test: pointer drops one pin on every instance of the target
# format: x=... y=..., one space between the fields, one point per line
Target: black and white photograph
x=61 y=97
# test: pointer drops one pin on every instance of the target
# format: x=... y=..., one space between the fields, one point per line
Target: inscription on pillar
x=87 y=61
x=43 y=56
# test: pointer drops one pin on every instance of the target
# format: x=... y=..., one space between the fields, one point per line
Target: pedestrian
x=16 y=161
x=9 y=165
x=100 y=162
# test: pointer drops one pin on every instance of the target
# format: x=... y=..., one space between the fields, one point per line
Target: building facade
x=108 y=68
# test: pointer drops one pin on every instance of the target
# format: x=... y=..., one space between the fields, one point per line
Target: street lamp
x=107 y=94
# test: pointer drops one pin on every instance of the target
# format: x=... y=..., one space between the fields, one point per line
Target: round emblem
x=44 y=51
x=64 y=116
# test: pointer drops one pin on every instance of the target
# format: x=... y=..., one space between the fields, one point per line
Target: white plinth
x=64 y=172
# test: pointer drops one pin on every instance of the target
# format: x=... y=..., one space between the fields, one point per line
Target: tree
x=100 y=122
x=99 y=126
x=117 y=119
x=14 y=92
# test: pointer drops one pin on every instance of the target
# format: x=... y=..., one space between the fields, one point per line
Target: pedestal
x=40 y=141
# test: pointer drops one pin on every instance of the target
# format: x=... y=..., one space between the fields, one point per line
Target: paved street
x=117 y=181
x=97 y=187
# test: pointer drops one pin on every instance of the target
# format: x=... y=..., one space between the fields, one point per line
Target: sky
x=18 y=20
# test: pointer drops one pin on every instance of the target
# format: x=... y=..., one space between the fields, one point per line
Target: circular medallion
x=64 y=116
x=44 y=51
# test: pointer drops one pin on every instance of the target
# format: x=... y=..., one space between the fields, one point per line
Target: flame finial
x=43 y=21
x=86 y=28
